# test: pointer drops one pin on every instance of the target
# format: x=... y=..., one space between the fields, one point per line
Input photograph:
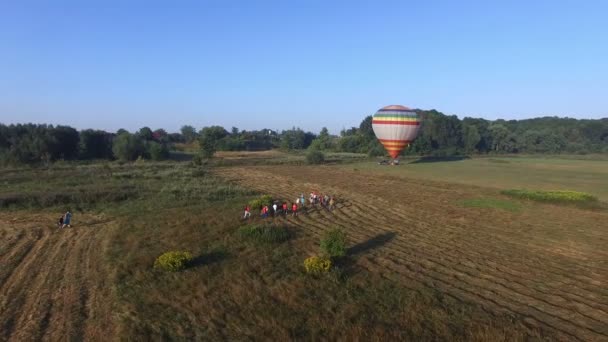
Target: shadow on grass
x=346 y=266
x=375 y=242
x=209 y=258
x=439 y=159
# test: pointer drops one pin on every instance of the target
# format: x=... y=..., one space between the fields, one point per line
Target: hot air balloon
x=395 y=127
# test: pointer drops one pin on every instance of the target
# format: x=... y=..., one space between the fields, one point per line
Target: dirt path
x=53 y=285
x=548 y=264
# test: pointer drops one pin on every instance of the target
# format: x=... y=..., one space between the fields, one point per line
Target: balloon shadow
x=375 y=242
x=209 y=258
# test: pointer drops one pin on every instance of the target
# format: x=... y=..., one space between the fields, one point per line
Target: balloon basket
x=393 y=162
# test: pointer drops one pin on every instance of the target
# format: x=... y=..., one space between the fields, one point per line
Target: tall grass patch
x=333 y=243
x=559 y=196
x=492 y=203
x=264 y=234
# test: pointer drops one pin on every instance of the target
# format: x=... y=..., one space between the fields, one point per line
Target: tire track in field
x=461 y=271
x=46 y=295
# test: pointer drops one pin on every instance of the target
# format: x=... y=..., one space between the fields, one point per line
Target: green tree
x=470 y=137
x=322 y=142
x=500 y=137
x=157 y=151
x=189 y=133
x=366 y=129
x=209 y=139
x=296 y=139
x=95 y=144
x=145 y=133
x=128 y=147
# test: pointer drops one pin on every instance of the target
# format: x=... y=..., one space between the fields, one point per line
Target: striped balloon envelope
x=395 y=127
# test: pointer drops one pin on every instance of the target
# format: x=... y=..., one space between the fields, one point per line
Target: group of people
x=284 y=209
x=325 y=201
x=273 y=210
x=65 y=220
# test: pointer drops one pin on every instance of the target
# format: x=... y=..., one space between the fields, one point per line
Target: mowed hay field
x=423 y=263
x=546 y=264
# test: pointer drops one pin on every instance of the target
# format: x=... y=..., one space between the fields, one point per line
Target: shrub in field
x=317 y=265
x=157 y=151
x=264 y=233
x=333 y=243
x=260 y=202
x=173 y=261
x=198 y=160
x=552 y=196
x=315 y=157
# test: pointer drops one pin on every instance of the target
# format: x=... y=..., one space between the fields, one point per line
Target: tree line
x=439 y=135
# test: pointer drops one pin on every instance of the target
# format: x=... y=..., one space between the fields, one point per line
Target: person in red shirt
x=247 y=212
x=265 y=211
x=285 y=208
x=294 y=209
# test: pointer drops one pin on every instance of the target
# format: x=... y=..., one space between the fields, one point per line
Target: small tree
x=128 y=147
x=95 y=144
x=158 y=151
x=209 y=138
x=189 y=133
x=145 y=133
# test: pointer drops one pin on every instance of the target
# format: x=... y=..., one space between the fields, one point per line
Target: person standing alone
x=67 y=219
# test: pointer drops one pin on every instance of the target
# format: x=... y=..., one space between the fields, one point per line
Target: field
x=435 y=252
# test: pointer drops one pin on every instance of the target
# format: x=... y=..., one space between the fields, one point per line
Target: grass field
x=505 y=173
x=435 y=252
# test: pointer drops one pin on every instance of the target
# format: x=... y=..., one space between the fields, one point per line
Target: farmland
x=435 y=251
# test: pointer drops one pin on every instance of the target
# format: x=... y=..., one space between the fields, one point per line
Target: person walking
x=247 y=212
x=60 y=222
x=274 y=209
x=331 y=203
x=302 y=200
x=67 y=219
x=285 y=208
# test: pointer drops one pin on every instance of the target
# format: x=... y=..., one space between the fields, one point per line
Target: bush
x=317 y=265
x=173 y=261
x=198 y=160
x=260 y=202
x=333 y=243
x=265 y=234
x=315 y=157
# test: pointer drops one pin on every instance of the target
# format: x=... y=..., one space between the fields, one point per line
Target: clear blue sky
x=255 y=64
